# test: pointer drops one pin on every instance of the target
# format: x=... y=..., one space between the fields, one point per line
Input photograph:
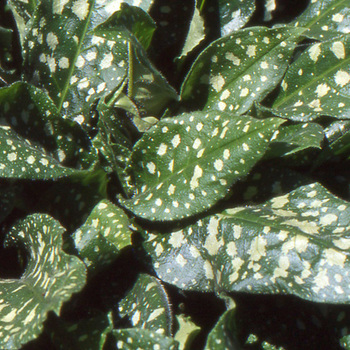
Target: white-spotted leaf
x=237 y=70
x=184 y=165
x=50 y=278
x=19 y=159
x=84 y=334
x=135 y=338
x=297 y=243
x=325 y=19
x=234 y=14
x=317 y=83
x=147 y=306
x=103 y=235
x=223 y=336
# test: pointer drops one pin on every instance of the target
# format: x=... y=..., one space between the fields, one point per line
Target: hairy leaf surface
x=184 y=165
x=317 y=83
x=237 y=70
x=297 y=244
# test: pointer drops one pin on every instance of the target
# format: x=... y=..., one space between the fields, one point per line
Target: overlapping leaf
x=50 y=278
x=147 y=306
x=239 y=69
x=325 y=19
x=103 y=235
x=133 y=338
x=292 y=139
x=84 y=334
x=317 y=83
x=184 y=165
x=297 y=244
x=20 y=159
x=234 y=14
x=32 y=114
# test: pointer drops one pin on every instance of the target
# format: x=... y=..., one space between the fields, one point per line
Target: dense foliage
x=174 y=174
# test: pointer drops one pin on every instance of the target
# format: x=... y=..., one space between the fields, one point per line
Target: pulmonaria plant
x=127 y=199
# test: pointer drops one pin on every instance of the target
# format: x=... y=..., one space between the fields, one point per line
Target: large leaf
x=237 y=70
x=317 y=83
x=234 y=14
x=325 y=19
x=147 y=306
x=103 y=235
x=184 y=165
x=50 y=278
x=297 y=244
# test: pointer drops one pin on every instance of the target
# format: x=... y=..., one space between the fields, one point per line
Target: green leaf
x=345 y=342
x=19 y=159
x=195 y=33
x=133 y=338
x=223 y=335
x=50 y=278
x=103 y=235
x=240 y=69
x=184 y=165
x=84 y=334
x=234 y=14
x=292 y=139
x=317 y=83
x=32 y=114
x=325 y=19
x=147 y=306
x=22 y=12
x=297 y=244
x=186 y=333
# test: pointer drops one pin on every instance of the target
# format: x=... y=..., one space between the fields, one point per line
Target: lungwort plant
x=175 y=174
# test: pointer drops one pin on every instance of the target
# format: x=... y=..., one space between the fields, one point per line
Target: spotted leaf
x=50 y=278
x=19 y=159
x=239 y=69
x=317 y=83
x=147 y=306
x=195 y=33
x=186 y=333
x=234 y=14
x=84 y=334
x=296 y=243
x=33 y=115
x=325 y=19
x=103 y=235
x=224 y=334
x=292 y=139
x=134 y=338
x=184 y=165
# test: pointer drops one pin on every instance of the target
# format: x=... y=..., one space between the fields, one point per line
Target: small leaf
x=81 y=335
x=297 y=243
x=325 y=19
x=186 y=333
x=184 y=165
x=147 y=306
x=234 y=14
x=19 y=159
x=292 y=139
x=223 y=335
x=317 y=83
x=240 y=69
x=195 y=33
x=134 y=338
x=103 y=235
x=50 y=278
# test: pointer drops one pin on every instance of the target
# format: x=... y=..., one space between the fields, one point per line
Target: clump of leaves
x=137 y=214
